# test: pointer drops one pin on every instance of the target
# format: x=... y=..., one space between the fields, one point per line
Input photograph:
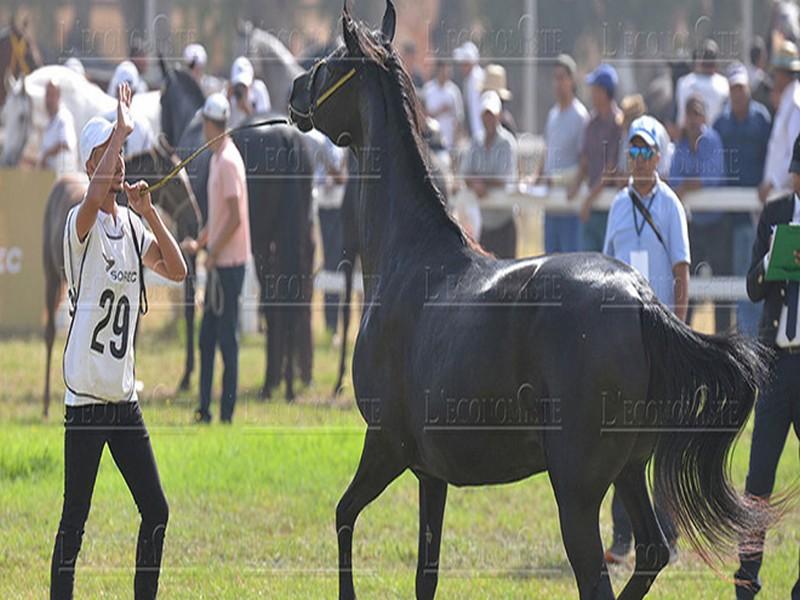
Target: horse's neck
x=400 y=214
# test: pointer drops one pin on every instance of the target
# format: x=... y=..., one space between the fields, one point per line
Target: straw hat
x=496 y=80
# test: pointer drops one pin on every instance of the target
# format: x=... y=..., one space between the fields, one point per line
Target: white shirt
x=713 y=89
x=60 y=130
x=439 y=96
x=473 y=86
x=564 y=136
x=785 y=129
x=103 y=279
x=781 y=339
x=259 y=98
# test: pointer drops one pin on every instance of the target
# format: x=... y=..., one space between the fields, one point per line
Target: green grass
x=252 y=505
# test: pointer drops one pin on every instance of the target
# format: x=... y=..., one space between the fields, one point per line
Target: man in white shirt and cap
x=247 y=95
x=786 y=124
x=142 y=138
x=468 y=56
x=59 y=140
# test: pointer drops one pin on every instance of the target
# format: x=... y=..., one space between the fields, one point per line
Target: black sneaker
x=201 y=417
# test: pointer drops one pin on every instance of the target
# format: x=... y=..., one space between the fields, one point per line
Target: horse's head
x=176 y=199
x=17 y=120
x=330 y=96
x=181 y=97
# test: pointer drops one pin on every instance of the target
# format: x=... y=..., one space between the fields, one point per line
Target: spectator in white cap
x=58 y=141
x=226 y=240
x=647 y=229
x=490 y=167
x=744 y=128
x=105 y=247
x=468 y=57
x=142 y=138
x=195 y=59
x=247 y=95
x=74 y=64
x=126 y=72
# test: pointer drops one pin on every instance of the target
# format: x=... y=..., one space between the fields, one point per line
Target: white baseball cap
x=242 y=72
x=490 y=102
x=646 y=128
x=737 y=75
x=76 y=65
x=126 y=71
x=95 y=133
x=467 y=52
x=195 y=53
x=217 y=108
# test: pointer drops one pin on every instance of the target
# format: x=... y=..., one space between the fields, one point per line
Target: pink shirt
x=226 y=178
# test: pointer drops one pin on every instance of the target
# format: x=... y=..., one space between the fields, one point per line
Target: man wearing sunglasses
x=647 y=229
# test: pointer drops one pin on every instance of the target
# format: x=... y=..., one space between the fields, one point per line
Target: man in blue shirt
x=699 y=163
x=649 y=233
x=744 y=127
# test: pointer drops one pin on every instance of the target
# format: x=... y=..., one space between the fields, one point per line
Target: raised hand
x=124 y=118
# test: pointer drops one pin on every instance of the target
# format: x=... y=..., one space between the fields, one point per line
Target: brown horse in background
x=176 y=200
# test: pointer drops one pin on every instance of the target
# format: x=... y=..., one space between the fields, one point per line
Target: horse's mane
x=378 y=50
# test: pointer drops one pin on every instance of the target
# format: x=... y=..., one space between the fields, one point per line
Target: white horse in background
x=25 y=117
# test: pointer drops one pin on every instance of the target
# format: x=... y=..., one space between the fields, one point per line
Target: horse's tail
x=705 y=387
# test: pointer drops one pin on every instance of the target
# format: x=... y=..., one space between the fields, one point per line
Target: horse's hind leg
x=432 y=498
x=381 y=463
x=652 y=552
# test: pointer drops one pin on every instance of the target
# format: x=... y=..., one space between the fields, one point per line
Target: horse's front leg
x=381 y=463
x=432 y=499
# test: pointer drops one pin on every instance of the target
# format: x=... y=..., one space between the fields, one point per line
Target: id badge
x=640 y=260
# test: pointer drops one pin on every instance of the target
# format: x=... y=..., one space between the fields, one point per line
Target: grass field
x=252 y=505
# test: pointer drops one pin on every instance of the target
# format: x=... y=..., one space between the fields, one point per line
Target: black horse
x=278 y=169
x=552 y=352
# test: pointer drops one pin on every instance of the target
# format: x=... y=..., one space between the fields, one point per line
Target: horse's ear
x=389 y=21
x=349 y=33
x=164 y=144
x=164 y=68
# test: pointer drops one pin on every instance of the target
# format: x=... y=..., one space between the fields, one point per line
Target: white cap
x=467 y=52
x=490 y=102
x=646 y=128
x=95 y=133
x=195 y=53
x=737 y=74
x=126 y=71
x=217 y=108
x=242 y=72
x=76 y=65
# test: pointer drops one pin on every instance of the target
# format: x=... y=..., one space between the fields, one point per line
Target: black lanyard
x=640 y=227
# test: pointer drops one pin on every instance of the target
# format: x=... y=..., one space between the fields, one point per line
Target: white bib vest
x=104 y=283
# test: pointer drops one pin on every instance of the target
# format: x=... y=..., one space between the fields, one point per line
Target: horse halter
x=327 y=94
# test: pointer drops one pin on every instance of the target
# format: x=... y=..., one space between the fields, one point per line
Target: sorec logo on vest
x=10 y=260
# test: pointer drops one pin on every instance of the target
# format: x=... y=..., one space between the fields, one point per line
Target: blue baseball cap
x=646 y=128
x=604 y=76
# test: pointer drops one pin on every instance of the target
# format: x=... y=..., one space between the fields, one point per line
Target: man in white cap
x=744 y=128
x=647 y=229
x=490 y=167
x=142 y=138
x=105 y=247
x=468 y=57
x=226 y=239
x=785 y=67
x=247 y=95
x=58 y=141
